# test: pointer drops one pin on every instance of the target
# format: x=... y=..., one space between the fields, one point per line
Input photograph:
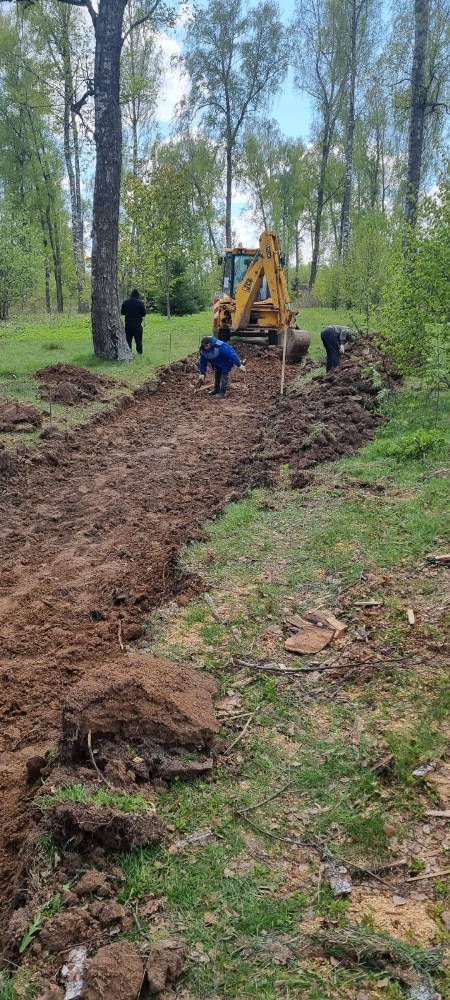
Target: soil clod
x=139 y=697
x=115 y=973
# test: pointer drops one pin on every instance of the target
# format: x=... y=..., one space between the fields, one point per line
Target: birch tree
x=235 y=59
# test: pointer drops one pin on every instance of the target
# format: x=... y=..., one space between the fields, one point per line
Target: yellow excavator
x=254 y=301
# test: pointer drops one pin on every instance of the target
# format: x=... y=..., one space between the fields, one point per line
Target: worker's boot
x=216 y=390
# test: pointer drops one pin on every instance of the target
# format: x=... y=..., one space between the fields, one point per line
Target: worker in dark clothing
x=134 y=311
x=333 y=339
x=222 y=357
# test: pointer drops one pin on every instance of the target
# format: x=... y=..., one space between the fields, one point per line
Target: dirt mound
x=72 y=385
x=18 y=417
x=85 y=824
x=137 y=697
x=332 y=415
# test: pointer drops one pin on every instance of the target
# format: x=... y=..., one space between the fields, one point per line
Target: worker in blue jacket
x=222 y=357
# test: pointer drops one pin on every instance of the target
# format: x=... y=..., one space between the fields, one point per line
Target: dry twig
x=241 y=734
x=94 y=762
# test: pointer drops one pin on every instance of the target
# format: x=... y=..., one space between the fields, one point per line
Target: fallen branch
x=420 y=878
x=444 y=558
x=94 y=762
x=269 y=798
x=441 y=813
x=270 y=667
x=209 y=601
x=241 y=734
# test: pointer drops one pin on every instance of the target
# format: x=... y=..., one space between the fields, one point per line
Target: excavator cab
x=254 y=300
x=236 y=265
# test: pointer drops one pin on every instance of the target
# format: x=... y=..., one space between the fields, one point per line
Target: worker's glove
x=341 y=349
x=201 y=378
x=242 y=368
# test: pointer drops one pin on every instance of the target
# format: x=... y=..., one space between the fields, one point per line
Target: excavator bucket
x=297 y=344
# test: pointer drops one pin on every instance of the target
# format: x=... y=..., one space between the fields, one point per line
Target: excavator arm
x=265 y=264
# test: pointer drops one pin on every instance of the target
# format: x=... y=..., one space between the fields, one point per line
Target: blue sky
x=292 y=111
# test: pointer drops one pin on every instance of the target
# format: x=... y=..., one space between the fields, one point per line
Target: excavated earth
x=92 y=527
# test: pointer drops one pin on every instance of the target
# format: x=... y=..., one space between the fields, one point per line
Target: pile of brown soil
x=72 y=385
x=331 y=416
x=140 y=697
x=18 y=417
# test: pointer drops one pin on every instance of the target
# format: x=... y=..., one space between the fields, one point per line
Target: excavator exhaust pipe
x=297 y=345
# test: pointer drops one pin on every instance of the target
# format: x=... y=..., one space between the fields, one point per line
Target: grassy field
x=29 y=344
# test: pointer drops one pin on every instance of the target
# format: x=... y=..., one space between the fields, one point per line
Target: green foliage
x=416 y=308
x=33 y=928
x=328 y=287
x=367 y=266
x=358 y=284
x=21 y=260
x=415 y=445
x=187 y=295
x=171 y=250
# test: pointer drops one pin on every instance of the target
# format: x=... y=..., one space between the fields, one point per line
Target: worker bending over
x=222 y=357
x=333 y=340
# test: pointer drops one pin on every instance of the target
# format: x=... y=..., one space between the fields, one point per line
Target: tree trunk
x=76 y=248
x=297 y=257
x=107 y=331
x=418 y=109
x=345 y=219
x=81 y=271
x=319 y=207
x=70 y=136
x=228 y=202
x=48 y=304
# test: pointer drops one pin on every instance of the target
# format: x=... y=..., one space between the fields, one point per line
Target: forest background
x=361 y=202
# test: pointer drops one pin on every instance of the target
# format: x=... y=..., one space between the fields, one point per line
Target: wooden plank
x=326 y=619
x=309 y=639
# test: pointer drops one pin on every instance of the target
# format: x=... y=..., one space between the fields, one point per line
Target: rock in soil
x=116 y=973
x=86 y=824
x=139 y=697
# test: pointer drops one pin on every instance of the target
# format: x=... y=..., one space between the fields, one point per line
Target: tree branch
x=78 y=3
x=139 y=21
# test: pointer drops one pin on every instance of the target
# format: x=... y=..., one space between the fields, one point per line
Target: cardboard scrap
x=315 y=630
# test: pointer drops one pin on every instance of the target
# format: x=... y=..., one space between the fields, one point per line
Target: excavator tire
x=297 y=345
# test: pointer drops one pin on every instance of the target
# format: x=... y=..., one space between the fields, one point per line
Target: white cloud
x=175 y=85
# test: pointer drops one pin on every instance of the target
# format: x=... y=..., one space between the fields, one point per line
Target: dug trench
x=92 y=526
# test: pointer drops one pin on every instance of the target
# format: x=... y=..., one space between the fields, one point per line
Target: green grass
x=100 y=797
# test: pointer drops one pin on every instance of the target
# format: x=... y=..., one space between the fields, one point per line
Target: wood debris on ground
x=314 y=630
